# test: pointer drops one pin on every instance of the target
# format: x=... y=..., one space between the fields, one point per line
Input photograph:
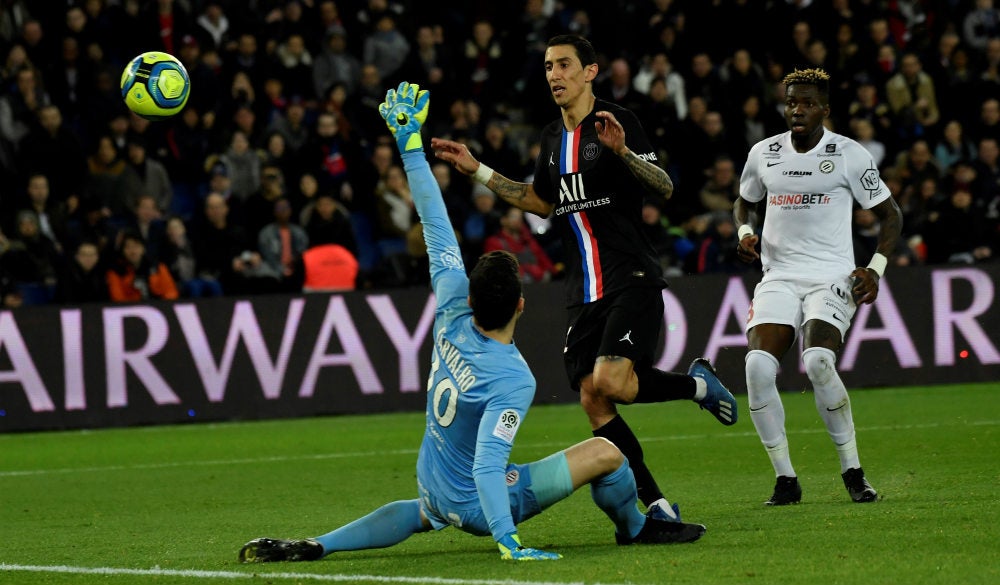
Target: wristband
x=878 y=264
x=744 y=231
x=483 y=174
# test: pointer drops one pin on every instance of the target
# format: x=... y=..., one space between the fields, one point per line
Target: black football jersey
x=598 y=206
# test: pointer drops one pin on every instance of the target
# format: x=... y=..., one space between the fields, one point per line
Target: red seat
x=330 y=267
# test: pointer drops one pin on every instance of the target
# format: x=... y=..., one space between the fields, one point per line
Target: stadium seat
x=330 y=267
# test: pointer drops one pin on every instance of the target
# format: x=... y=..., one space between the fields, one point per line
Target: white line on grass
x=323 y=456
x=198 y=574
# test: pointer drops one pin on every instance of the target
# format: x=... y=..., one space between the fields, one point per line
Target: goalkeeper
x=479 y=391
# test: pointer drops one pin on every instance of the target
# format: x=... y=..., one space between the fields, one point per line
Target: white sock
x=766 y=409
x=700 y=389
x=778 y=454
x=665 y=506
x=832 y=403
x=848 y=453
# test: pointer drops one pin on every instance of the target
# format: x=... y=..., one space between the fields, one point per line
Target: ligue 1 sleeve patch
x=507 y=425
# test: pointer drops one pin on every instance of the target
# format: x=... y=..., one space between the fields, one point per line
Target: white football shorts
x=793 y=302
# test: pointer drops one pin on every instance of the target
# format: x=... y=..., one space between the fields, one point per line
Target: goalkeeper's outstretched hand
x=404 y=111
x=511 y=550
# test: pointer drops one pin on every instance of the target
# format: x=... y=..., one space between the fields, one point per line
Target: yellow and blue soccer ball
x=155 y=85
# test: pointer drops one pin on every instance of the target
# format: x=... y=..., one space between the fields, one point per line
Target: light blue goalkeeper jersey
x=478 y=390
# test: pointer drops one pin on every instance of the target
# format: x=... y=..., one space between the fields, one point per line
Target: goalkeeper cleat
x=719 y=401
x=272 y=550
x=656 y=531
x=404 y=111
x=657 y=511
x=861 y=491
x=786 y=491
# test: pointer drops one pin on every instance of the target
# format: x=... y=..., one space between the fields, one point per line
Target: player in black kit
x=593 y=170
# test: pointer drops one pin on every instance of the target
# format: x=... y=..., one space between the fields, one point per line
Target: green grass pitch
x=173 y=504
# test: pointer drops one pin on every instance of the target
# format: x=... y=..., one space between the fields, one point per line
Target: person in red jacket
x=515 y=237
x=134 y=277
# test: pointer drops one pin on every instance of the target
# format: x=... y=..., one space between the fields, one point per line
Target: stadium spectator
x=515 y=237
x=988 y=123
x=959 y=233
x=496 y=149
x=981 y=24
x=919 y=205
x=916 y=164
x=189 y=144
x=145 y=176
x=213 y=26
x=81 y=278
x=294 y=67
x=953 y=146
x=55 y=150
x=327 y=222
x=134 y=276
x=864 y=134
x=616 y=87
x=985 y=188
x=720 y=191
x=228 y=255
x=20 y=105
x=482 y=220
x=662 y=124
x=911 y=96
x=395 y=211
x=281 y=244
x=178 y=254
x=705 y=82
x=659 y=66
x=335 y=64
x=717 y=247
x=258 y=209
x=331 y=158
x=51 y=215
x=147 y=221
x=31 y=260
x=386 y=48
x=431 y=64
x=741 y=79
x=655 y=226
x=483 y=69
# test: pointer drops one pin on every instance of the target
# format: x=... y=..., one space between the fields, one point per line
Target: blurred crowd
x=279 y=175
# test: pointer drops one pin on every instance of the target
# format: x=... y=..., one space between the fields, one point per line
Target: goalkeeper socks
x=659 y=386
x=618 y=432
x=389 y=525
x=615 y=495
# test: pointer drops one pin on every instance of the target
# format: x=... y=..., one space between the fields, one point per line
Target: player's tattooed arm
x=520 y=195
x=651 y=176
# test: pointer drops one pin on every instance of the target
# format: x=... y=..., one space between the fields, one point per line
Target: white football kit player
x=807 y=248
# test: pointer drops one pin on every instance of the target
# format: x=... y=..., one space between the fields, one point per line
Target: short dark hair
x=817 y=77
x=494 y=289
x=584 y=50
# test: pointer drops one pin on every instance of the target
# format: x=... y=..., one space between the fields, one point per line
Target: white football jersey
x=810 y=202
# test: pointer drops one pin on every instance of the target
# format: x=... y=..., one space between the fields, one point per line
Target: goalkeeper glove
x=511 y=550
x=404 y=111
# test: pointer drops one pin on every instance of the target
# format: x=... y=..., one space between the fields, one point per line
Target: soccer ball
x=155 y=85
